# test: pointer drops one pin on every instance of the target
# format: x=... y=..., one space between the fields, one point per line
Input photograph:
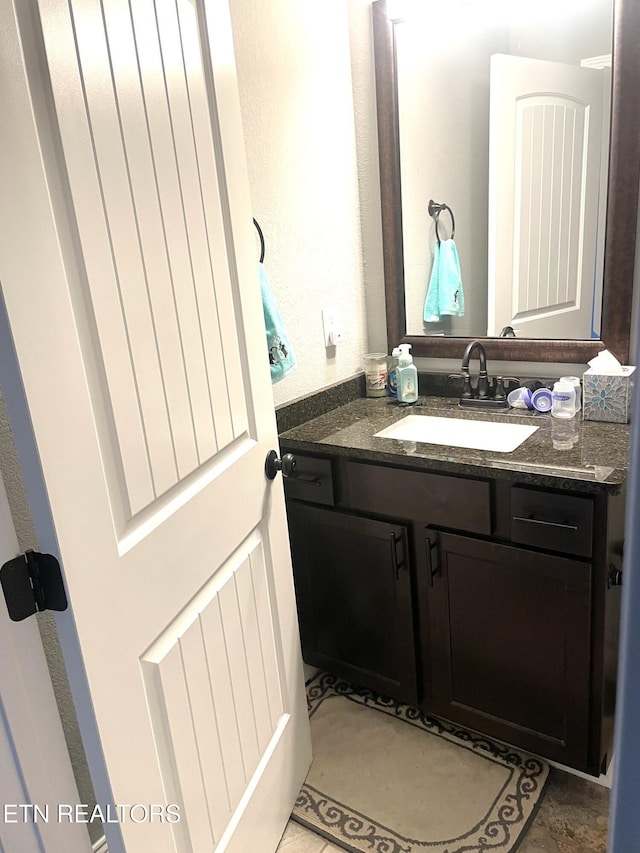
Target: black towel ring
x=261 y=235
x=435 y=210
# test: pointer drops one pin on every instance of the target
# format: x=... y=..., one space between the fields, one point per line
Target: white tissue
x=605 y=363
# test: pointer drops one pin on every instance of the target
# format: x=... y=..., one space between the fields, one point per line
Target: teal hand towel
x=281 y=358
x=445 y=296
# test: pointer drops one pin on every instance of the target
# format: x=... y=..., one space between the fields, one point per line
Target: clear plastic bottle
x=520 y=398
x=575 y=381
x=564 y=433
x=564 y=400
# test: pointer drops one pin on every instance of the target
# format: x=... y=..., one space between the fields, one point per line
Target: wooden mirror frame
x=622 y=208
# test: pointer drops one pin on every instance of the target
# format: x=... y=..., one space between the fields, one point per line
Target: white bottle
x=575 y=381
x=564 y=400
x=406 y=376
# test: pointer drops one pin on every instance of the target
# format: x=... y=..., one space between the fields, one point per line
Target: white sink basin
x=456 y=432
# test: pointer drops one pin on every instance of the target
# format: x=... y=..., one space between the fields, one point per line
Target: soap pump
x=406 y=376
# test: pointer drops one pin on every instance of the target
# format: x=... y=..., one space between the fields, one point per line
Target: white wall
x=554 y=31
x=443 y=114
x=294 y=75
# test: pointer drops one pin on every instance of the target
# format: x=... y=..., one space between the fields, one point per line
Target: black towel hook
x=261 y=235
x=435 y=209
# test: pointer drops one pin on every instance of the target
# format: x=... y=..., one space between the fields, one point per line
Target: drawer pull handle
x=431 y=571
x=394 y=556
x=546 y=523
x=311 y=479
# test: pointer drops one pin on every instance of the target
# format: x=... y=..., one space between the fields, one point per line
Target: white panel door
x=544 y=184
x=130 y=281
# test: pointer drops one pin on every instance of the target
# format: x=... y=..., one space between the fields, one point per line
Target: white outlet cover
x=331 y=328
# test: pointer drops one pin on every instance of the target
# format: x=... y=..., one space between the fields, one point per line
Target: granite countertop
x=596 y=462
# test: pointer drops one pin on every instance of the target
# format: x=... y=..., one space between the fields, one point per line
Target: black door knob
x=273 y=464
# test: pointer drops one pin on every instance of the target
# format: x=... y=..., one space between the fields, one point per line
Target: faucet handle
x=466 y=388
x=507 y=380
x=503 y=385
x=500 y=390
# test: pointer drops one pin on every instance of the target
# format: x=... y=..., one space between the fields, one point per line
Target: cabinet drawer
x=313 y=481
x=435 y=499
x=556 y=522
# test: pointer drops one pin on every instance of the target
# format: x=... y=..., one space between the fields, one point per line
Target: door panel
x=148 y=214
x=213 y=680
x=132 y=264
x=546 y=141
x=550 y=144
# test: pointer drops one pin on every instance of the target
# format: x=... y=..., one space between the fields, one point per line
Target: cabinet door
x=510 y=644
x=353 y=589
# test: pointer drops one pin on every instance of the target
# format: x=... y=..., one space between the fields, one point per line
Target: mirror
x=528 y=261
x=509 y=126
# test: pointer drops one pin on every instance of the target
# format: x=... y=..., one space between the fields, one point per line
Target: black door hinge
x=32 y=583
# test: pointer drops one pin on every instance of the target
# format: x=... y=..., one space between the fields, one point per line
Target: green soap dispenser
x=406 y=376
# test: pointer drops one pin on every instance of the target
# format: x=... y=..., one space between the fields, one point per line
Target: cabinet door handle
x=431 y=572
x=394 y=555
x=547 y=523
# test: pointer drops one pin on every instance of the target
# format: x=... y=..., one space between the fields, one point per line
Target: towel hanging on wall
x=445 y=295
x=281 y=357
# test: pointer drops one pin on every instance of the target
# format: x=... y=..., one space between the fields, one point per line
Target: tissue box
x=606 y=397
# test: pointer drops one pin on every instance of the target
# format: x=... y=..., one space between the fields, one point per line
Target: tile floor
x=298 y=839
x=572 y=818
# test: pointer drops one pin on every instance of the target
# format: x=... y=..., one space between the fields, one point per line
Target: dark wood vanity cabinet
x=352 y=577
x=509 y=644
x=485 y=602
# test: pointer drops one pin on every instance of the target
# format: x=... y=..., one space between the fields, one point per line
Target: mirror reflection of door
x=442 y=66
x=545 y=180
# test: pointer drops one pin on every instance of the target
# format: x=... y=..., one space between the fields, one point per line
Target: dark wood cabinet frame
x=443 y=574
x=622 y=208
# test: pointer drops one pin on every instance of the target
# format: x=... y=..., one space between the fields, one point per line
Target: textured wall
x=294 y=74
x=10 y=473
x=564 y=33
x=444 y=155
